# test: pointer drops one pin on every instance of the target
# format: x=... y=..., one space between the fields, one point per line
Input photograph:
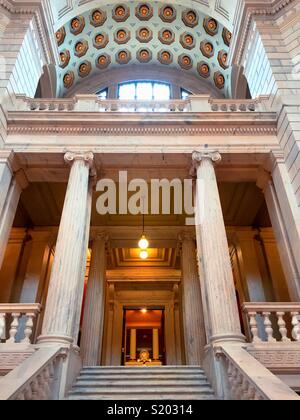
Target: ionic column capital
x=198 y=157
x=87 y=157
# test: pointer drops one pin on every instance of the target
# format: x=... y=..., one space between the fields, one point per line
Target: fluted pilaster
x=193 y=320
x=213 y=253
x=63 y=307
x=93 y=320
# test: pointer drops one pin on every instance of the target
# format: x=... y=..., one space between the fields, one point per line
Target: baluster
x=257 y=396
x=239 y=384
x=282 y=327
x=21 y=397
x=42 y=394
x=254 y=328
x=296 y=325
x=268 y=327
x=28 y=393
x=2 y=326
x=14 y=328
x=251 y=393
x=235 y=376
x=245 y=389
x=47 y=381
x=35 y=390
x=28 y=328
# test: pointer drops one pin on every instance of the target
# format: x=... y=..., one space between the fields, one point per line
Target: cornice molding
x=41 y=21
x=244 y=17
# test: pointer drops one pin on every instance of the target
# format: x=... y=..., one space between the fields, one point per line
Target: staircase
x=159 y=383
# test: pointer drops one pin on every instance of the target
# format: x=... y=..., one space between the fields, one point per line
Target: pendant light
x=144 y=243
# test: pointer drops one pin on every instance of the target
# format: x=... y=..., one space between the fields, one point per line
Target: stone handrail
x=249 y=379
x=35 y=378
x=287 y=316
x=92 y=103
x=16 y=311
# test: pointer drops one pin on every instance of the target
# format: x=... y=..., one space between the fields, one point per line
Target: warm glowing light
x=144 y=255
x=144 y=243
x=144 y=311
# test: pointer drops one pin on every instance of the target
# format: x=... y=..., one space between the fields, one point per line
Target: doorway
x=144 y=337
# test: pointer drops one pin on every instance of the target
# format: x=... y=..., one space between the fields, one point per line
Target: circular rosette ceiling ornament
x=98 y=17
x=121 y=13
x=77 y=25
x=144 y=11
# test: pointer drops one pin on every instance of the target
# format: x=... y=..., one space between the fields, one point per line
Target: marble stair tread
x=126 y=378
x=130 y=383
x=148 y=397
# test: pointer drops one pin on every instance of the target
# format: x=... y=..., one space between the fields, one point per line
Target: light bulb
x=144 y=255
x=144 y=243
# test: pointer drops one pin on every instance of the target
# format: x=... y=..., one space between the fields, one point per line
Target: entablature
x=149 y=125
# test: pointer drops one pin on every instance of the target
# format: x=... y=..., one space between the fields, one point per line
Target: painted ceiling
x=150 y=33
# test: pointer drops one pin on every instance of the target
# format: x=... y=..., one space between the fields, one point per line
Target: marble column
x=40 y=249
x=280 y=224
x=193 y=319
x=253 y=280
x=11 y=187
x=213 y=253
x=93 y=319
x=132 y=345
x=63 y=307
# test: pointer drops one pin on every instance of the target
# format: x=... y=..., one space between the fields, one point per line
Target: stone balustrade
x=92 y=103
x=248 y=379
x=36 y=378
x=281 y=321
x=10 y=316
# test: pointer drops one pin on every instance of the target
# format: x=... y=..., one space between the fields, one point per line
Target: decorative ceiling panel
x=222 y=10
x=143 y=33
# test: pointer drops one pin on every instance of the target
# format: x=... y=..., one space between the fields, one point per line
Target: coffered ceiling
x=166 y=35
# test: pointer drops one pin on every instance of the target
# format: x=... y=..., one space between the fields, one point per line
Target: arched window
x=144 y=91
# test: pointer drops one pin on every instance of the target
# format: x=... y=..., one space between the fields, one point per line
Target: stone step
x=158 y=377
x=143 y=397
x=140 y=383
x=205 y=390
x=141 y=371
x=154 y=368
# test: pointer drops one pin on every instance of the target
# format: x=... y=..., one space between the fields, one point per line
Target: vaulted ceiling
x=158 y=34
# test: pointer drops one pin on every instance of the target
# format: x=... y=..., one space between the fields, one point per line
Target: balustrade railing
x=92 y=103
x=11 y=326
x=281 y=322
x=36 y=379
x=248 y=379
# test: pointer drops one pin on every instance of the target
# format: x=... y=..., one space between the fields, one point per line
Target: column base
x=55 y=339
x=221 y=338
